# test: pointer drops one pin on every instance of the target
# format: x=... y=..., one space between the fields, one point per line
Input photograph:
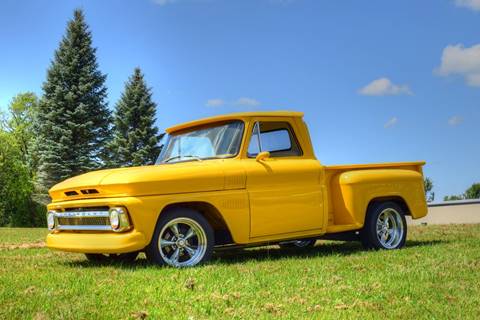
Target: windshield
x=218 y=141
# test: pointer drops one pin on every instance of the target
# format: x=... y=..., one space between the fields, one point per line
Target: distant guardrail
x=453 y=203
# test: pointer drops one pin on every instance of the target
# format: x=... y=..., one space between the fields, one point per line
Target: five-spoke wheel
x=385 y=226
x=183 y=238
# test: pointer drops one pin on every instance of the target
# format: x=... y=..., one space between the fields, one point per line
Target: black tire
x=121 y=257
x=298 y=244
x=390 y=235
x=202 y=242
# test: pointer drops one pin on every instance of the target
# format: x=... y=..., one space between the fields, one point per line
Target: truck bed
x=351 y=188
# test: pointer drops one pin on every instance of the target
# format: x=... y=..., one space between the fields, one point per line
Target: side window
x=275 y=137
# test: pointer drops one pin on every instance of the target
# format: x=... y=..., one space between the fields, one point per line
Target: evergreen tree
x=135 y=136
x=73 y=121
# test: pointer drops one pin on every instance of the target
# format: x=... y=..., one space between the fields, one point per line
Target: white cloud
x=163 y=2
x=470 y=4
x=455 y=121
x=215 y=103
x=246 y=102
x=384 y=87
x=391 y=122
x=456 y=59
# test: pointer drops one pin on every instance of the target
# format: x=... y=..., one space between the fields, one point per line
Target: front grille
x=93 y=219
x=84 y=221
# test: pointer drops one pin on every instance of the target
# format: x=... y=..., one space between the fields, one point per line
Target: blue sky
x=377 y=80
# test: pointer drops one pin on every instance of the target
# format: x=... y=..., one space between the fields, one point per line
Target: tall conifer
x=73 y=121
x=135 y=136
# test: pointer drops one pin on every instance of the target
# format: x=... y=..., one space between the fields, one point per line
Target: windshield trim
x=204 y=126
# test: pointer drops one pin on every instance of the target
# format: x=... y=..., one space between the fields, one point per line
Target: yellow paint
x=266 y=200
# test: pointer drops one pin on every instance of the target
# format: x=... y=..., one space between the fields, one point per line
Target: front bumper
x=143 y=212
x=97 y=242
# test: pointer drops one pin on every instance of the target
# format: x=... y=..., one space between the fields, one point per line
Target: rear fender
x=352 y=191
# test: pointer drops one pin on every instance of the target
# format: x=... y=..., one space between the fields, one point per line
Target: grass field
x=437 y=276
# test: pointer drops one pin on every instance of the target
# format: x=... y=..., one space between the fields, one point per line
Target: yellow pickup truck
x=239 y=179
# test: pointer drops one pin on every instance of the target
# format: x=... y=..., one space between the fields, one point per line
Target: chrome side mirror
x=262 y=156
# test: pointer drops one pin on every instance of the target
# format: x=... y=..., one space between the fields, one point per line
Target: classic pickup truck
x=238 y=179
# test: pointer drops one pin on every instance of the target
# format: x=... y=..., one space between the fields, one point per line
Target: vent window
x=71 y=193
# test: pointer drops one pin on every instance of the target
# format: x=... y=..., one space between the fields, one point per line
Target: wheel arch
x=211 y=213
x=400 y=201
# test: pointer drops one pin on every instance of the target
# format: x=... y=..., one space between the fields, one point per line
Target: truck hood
x=172 y=178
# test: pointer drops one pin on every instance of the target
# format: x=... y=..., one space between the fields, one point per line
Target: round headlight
x=51 y=220
x=114 y=219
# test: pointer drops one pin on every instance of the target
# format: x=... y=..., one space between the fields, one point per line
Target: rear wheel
x=300 y=244
x=385 y=227
x=183 y=238
x=121 y=257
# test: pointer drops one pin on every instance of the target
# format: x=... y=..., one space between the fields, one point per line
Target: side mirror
x=262 y=156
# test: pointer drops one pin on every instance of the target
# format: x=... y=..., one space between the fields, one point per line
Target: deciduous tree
x=473 y=192
x=428 y=185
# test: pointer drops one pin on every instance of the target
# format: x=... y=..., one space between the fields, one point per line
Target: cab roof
x=233 y=116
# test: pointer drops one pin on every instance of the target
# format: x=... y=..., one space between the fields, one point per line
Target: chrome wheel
x=182 y=242
x=389 y=228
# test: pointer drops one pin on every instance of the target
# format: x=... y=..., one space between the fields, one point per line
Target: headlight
x=114 y=218
x=119 y=219
x=51 y=220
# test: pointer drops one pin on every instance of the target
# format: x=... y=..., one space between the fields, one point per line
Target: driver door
x=284 y=190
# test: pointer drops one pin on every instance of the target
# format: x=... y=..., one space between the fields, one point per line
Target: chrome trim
x=83 y=214
x=257 y=125
x=85 y=228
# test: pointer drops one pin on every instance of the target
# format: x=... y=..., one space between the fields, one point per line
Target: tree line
x=70 y=129
x=473 y=192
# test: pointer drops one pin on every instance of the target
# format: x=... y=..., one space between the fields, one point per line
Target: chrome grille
x=95 y=220
x=84 y=221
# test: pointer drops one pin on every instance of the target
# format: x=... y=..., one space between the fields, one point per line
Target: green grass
x=21 y=235
x=437 y=276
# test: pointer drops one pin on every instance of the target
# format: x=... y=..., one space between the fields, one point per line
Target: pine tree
x=73 y=121
x=135 y=136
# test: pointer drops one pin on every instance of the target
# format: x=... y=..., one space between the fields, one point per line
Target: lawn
x=437 y=276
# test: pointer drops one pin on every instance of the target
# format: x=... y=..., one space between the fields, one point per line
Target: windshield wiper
x=182 y=156
x=222 y=156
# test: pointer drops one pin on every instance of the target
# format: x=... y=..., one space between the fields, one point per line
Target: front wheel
x=183 y=238
x=385 y=227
